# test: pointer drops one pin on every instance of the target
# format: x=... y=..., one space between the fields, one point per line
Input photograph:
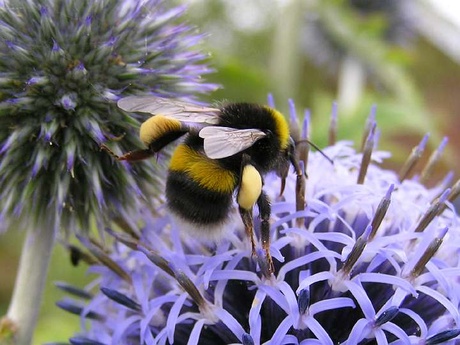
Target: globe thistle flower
x=63 y=66
x=372 y=259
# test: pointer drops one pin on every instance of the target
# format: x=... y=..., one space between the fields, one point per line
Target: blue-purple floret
x=336 y=281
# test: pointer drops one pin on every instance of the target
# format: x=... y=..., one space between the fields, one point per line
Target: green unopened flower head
x=63 y=66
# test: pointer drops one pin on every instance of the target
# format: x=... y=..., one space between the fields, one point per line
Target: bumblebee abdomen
x=195 y=204
x=199 y=190
x=156 y=127
x=205 y=172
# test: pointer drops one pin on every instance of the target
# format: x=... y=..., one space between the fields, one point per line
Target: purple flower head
x=373 y=258
x=64 y=64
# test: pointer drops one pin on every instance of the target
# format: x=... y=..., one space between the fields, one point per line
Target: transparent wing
x=221 y=142
x=179 y=110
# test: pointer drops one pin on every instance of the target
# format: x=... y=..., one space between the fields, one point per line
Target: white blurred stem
x=437 y=22
x=351 y=84
x=30 y=282
x=285 y=53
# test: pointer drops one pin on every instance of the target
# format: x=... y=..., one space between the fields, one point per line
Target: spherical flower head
x=373 y=258
x=63 y=66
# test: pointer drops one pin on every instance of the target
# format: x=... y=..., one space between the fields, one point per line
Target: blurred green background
x=395 y=54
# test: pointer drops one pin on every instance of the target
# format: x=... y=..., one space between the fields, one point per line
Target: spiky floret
x=63 y=66
x=374 y=259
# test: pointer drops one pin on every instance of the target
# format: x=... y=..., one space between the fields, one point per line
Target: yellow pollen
x=251 y=187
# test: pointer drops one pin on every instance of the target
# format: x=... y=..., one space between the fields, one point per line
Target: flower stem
x=30 y=282
x=285 y=55
x=352 y=79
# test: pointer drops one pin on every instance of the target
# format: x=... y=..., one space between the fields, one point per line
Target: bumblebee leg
x=250 y=192
x=154 y=147
x=130 y=156
x=283 y=171
x=248 y=222
x=283 y=186
x=156 y=132
x=137 y=155
x=300 y=184
x=264 y=214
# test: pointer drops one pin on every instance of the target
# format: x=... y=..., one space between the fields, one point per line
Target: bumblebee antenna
x=316 y=148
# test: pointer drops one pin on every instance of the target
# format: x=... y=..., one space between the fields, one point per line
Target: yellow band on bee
x=250 y=188
x=202 y=170
x=281 y=126
x=156 y=126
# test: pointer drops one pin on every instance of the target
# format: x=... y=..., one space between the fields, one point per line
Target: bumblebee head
x=285 y=159
x=291 y=146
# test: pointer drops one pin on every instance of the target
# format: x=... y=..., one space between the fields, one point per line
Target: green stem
x=30 y=282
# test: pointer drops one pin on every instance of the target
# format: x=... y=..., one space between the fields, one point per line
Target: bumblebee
x=225 y=154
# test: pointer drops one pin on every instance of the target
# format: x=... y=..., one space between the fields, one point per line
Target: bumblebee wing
x=221 y=142
x=178 y=110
